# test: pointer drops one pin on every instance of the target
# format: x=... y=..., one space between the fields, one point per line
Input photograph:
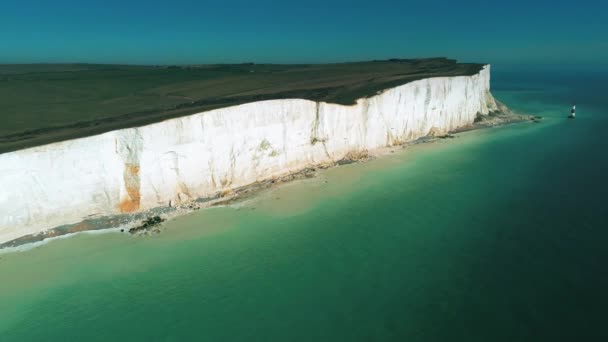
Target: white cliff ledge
x=173 y=161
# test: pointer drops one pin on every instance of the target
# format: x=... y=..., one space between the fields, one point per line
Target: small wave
x=33 y=245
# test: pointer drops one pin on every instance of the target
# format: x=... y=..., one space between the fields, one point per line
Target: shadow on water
x=536 y=266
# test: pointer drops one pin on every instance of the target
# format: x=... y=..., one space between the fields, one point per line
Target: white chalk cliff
x=136 y=169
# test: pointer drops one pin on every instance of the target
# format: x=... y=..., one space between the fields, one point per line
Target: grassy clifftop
x=46 y=103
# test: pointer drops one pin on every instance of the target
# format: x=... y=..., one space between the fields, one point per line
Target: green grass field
x=45 y=103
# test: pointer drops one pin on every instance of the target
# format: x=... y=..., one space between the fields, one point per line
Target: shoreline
x=137 y=221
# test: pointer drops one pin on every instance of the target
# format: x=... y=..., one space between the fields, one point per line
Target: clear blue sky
x=280 y=31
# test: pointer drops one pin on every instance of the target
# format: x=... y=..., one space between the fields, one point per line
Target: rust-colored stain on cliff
x=132 y=169
x=132 y=184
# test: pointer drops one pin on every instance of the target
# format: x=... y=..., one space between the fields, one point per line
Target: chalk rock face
x=136 y=169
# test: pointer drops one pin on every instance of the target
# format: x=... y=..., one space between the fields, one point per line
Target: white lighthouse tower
x=572 y=112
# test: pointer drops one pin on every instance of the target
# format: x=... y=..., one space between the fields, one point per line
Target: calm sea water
x=498 y=235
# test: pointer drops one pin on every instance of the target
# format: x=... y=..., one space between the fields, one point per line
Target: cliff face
x=200 y=155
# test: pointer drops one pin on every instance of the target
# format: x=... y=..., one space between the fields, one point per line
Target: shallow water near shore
x=497 y=235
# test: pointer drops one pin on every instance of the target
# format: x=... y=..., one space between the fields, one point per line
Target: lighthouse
x=572 y=112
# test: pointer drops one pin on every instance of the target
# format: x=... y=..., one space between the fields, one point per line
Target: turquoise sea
x=498 y=235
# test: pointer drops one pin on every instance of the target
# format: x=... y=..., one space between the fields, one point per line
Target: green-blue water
x=499 y=235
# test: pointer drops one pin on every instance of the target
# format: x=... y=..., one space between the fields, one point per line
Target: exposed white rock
x=202 y=154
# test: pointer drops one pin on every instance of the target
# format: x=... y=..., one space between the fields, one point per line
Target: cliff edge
x=133 y=170
x=43 y=104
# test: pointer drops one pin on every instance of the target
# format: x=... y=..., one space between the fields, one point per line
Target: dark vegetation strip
x=49 y=103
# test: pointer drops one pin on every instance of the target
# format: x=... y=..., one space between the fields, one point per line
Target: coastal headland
x=210 y=138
